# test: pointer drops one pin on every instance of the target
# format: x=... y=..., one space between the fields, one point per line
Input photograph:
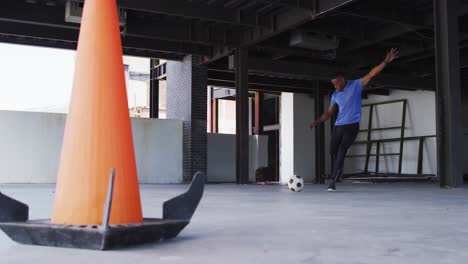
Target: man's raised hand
x=391 y=55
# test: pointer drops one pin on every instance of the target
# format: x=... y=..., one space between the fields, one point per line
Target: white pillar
x=297 y=150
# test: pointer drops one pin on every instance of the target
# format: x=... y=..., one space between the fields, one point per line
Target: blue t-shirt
x=349 y=102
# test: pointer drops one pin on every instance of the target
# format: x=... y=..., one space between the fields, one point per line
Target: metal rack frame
x=369 y=142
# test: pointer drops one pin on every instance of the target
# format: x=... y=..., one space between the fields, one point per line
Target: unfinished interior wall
x=420 y=121
x=31 y=145
x=222 y=157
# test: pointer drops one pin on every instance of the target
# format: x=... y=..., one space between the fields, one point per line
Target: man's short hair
x=338 y=74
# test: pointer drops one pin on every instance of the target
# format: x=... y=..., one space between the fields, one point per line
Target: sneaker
x=331 y=187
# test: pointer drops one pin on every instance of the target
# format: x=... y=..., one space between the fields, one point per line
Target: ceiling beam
x=256 y=80
x=349 y=30
x=164 y=46
x=71 y=35
x=282 y=23
x=72 y=46
x=189 y=9
x=259 y=87
x=305 y=4
x=180 y=31
x=406 y=55
x=42 y=15
x=463 y=10
x=428 y=66
x=289 y=69
x=386 y=33
x=392 y=14
x=284 y=51
x=398 y=24
x=323 y=72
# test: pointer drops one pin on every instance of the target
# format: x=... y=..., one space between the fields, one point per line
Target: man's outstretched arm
x=325 y=116
x=391 y=55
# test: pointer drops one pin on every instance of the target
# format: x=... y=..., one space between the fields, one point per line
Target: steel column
x=332 y=126
x=448 y=94
x=154 y=90
x=242 y=116
x=369 y=137
x=402 y=136
x=214 y=115
x=420 y=156
x=319 y=138
x=258 y=113
x=377 y=158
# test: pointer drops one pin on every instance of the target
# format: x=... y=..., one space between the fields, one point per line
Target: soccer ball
x=296 y=183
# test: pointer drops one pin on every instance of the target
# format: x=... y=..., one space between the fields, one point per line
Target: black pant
x=342 y=138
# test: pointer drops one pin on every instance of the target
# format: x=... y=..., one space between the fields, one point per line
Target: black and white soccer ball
x=296 y=183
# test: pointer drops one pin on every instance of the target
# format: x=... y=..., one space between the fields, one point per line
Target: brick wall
x=187 y=101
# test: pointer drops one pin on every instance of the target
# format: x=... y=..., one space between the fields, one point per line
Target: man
x=347 y=97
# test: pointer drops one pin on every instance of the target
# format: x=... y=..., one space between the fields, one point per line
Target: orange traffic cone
x=98 y=133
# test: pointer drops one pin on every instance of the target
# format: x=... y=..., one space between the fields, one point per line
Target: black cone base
x=43 y=233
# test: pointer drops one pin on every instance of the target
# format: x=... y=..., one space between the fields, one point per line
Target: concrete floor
x=362 y=223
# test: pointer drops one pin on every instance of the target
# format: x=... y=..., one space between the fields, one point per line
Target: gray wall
x=31 y=144
x=222 y=157
x=158 y=150
x=304 y=138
